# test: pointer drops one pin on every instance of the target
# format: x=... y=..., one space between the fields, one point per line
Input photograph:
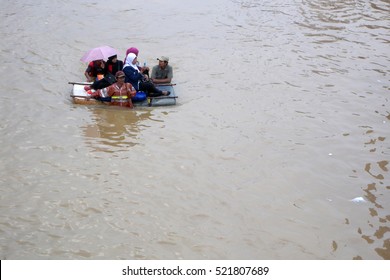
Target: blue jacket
x=132 y=76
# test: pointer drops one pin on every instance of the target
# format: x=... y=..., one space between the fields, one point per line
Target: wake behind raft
x=80 y=96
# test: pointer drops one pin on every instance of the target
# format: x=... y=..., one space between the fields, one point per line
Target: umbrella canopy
x=103 y=52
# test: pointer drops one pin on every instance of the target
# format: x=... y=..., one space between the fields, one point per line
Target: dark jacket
x=113 y=67
x=133 y=76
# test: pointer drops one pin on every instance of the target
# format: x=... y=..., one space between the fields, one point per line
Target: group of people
x=119 y=82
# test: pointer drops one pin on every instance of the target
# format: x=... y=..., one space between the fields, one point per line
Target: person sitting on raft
x=162 y=73
x=144 y=69
x=112 y=66
x=94 y=69
x=140 y=81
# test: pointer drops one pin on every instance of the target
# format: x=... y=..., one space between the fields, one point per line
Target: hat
x=132 y=50
x=163 y=58
x=119 y=74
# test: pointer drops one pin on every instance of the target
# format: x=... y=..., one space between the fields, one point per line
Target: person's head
x=131 y=58
x=113 y=58
x=120 y=76
x=132 y=50
x=163 y=61
x=98 y=62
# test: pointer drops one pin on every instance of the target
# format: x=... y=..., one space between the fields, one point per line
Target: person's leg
x=103 y=83
x=151 y=90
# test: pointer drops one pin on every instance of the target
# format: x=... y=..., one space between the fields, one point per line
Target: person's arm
x=87 y=72
x=162 y=81
x=131 y=74
x=143 y=69
x=89 y=78
x=111 y=90
x=131 y=92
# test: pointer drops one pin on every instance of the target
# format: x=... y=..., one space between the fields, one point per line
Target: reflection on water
x=114 y=129
x=376 y=234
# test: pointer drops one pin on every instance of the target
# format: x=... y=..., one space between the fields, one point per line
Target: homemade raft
x=80 y=96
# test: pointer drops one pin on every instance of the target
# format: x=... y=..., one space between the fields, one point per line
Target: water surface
x=282 y=120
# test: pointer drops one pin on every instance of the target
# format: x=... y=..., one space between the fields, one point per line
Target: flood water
x=278 y=148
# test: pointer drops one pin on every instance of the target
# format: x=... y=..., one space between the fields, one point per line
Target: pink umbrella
x=103 y=52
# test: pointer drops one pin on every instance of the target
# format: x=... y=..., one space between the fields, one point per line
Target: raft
x=80 y=96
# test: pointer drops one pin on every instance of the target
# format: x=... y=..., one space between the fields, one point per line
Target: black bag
x=108 y=80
